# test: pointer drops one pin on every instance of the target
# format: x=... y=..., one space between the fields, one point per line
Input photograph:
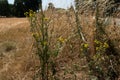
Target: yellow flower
x=36 y=35
x=97 y=48
x=105 y=45
x=26 y=14
x=31 y=13
x=62 y=40
x=46 y=19
x=85 y=45
x=44 y=43
x=97 y=42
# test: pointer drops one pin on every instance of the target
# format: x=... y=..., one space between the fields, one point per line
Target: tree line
x=18 y=8
x=21 y=6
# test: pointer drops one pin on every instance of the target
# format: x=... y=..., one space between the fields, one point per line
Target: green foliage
x=22 y=6
x=4 y=8
x=51 y=6
x=12 y=10
x=18 y=8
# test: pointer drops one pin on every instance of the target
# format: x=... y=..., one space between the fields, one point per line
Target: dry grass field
x=18 y=60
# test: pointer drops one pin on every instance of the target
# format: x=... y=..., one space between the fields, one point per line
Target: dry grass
x=17 y=62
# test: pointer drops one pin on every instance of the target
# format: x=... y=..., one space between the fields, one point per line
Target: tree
x=4 y=8
x=22 y=6
x=19 y=8
x=51 y=6
x=12 y=10
x=31 y=4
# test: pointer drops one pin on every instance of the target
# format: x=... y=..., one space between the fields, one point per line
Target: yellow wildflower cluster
x=105 y=45
x=97 y=48
x=36 y=35
x=46 y=19
x=31 y=13
x=97 y=42
x=85 y=45
x=101 y=45
x=62 y=40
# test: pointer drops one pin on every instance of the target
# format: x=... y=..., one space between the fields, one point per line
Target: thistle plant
x=39 y=30
x=96 y=50
x=40 y=34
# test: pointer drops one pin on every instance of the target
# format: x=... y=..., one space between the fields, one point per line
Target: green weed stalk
x=39 y=29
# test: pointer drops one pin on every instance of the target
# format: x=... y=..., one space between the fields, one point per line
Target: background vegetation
x=21 y=6
x=18 y=8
